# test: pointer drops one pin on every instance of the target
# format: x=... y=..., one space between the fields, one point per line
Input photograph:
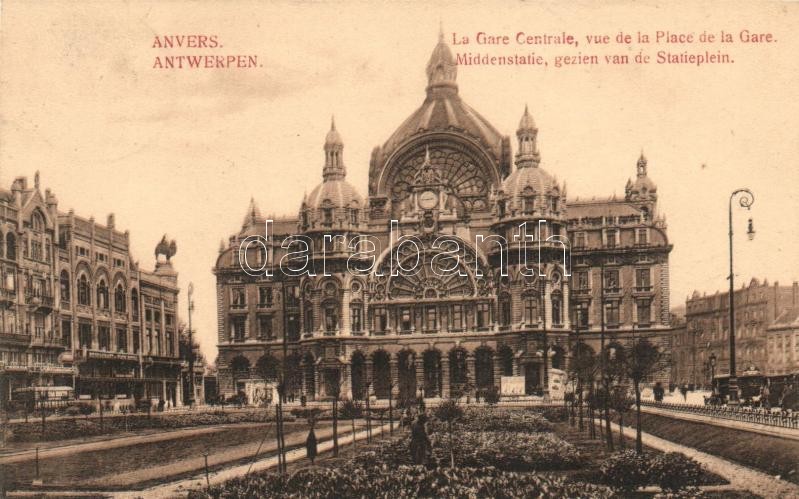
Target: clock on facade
x=428 y=200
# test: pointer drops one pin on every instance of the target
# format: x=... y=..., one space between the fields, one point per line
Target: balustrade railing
x=772 y=417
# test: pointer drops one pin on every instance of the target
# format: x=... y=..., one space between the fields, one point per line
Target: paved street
x=133 y=461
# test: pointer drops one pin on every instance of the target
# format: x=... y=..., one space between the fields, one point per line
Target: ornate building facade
x=77 y=311
x=762 y=344
x=445 y=172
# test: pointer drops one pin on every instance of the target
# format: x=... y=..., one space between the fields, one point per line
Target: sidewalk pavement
x=181 y=487
x=740 y=477
x=61 y=448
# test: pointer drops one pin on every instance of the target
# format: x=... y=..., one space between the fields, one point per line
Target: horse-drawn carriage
x=758 y=391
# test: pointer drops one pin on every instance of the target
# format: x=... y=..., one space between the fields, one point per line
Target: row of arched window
x=100 y=295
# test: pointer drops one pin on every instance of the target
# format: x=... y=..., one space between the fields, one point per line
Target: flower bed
x=501 y=420
x=672 y=471
x=64 y=429
x=403 y=481
x=508 y=451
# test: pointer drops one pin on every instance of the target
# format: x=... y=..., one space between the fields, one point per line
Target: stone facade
x=706 y=332
x=782 y=343
x=446 y=171
x=77 y=310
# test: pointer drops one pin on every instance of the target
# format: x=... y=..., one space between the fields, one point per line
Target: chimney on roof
x=110 y=221
x=795 y=293
x=20 y=184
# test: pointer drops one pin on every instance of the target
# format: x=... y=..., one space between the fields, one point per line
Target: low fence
x=776 y=417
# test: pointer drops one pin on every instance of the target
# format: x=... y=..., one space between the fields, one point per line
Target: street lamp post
x=745 y=200
x=191 y=347
x=712 y=362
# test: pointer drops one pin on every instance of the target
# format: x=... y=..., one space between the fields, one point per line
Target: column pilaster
x=419 y=365
x=444 y=376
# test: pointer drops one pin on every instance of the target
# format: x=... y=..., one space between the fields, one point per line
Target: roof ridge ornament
x=442 y=71
x=334 y=159
x=641 y=164
x=527 y=154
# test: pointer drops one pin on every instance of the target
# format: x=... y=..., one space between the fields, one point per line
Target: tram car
x=749 y=386
x=783 y=389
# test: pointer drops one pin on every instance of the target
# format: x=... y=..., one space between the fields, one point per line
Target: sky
x=182 y=151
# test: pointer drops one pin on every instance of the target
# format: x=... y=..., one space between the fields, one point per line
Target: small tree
x=614 y=359
x=336 y=393
x=622 y=404
x=351 y=410
x=642 y=361
x=583 y=368
x=86 y=409
x=491 y=395
x=449 y=411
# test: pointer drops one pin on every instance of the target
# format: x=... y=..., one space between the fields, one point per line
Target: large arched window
x=557 y=309
x=11 y=246
x=37 y=221
x=84 y=296
x=134 y=304
x=531 y=312
x=64 y=286
x=102 y=294
x=504 y=310
x=331 y=315
x=120 y=299
x=308 y=316
x=330 y=307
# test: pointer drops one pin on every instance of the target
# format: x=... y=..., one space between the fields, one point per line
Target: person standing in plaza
x=420 y=443
x=310 y=444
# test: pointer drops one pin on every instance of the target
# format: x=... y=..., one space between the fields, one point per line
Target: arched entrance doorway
x=309 y=373
x=293 y=377
x=406 y=371
x=458 y=372
x=532 y=378
x=432 y=373
x=240 y=368
x=505 y=360
x=358 y=375
x=381 y=371
x=484 y=368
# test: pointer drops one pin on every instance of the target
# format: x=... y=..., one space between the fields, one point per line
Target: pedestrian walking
x=420 y=443
x=310 y=445
x=658 y=392
x=765 y=403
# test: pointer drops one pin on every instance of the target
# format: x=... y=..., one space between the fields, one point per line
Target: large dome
x=526 y=182
x=444 y=110
x=333 y=194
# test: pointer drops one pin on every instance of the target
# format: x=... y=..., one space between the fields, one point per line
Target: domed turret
x=643 y=189
x=334 y=203
x=527 y=133
x=530 y=190
x=251 y=224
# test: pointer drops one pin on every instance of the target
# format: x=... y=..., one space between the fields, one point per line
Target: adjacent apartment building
x=75 y=308
x=763 y=335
